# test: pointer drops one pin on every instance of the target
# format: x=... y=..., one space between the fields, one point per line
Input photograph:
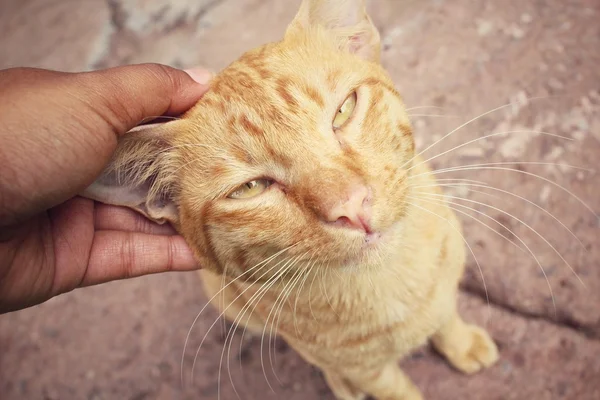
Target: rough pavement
x=452 y=61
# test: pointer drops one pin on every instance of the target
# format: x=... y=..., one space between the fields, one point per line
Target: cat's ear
x=347 y=20
x=140 y=174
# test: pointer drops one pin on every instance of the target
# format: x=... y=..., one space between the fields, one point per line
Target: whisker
x=520 y=221
x=281 y=297
x=439 y=201
x=309 y=269
x=460 y=127
x=468 y=167
x=523 y=199
x=223 y=312
x=255 y=297
x=433 y=115
x=487 y=297
x=421 y=107
x=273 y=335
x=275 y=324
x=488 y=137
x=277 y=317
x=310 y=296
x=253 y=308
x=515 y=235
x=224 y=325
x=326 y=271
x=487 y=167
x=212 y=298
x=459 y=180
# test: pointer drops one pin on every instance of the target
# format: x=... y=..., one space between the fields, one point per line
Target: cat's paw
x=343 y=389
x=349 y=396
x=347 y=393
x=412 y=392
x=478 y=351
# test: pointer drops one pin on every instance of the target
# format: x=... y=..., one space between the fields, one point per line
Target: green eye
x=345 y=111
x=250 y=189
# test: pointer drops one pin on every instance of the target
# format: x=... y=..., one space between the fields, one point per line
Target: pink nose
x=353 y=211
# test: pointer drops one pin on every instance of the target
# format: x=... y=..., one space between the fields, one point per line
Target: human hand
x=57 y=133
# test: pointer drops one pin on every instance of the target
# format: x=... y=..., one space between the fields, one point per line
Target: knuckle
x=139 y=224
x=170 y=255
x=164 y=74
x=128 y=256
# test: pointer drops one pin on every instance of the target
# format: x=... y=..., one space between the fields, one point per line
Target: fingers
x=59 y=130
x=108 y=218
x=127 y=95
x=119 y=255
x=200 y=75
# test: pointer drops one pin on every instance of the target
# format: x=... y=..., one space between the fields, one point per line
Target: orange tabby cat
x=290 y=181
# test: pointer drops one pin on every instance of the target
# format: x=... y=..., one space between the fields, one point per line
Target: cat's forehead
x=283 y=73
x=277 y=102
x=266 y=94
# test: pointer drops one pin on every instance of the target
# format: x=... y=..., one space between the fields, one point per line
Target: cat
x=293 y=180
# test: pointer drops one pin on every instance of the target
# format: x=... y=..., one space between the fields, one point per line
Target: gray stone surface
x=452 y=61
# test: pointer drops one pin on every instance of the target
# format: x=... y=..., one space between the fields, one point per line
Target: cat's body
x=356 y=322
x=361 y=318
x=327 y=243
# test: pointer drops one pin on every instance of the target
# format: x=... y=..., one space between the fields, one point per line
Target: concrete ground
x=452 y=61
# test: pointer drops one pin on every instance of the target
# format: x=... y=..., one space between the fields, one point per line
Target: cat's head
x=297 y=148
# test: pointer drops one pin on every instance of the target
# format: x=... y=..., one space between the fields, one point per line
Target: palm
x=44 y=249
x=81 y=243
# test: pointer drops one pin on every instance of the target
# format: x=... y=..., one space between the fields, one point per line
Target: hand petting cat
x=58 y=131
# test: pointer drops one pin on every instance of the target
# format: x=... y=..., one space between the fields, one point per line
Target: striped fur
x=355 y=309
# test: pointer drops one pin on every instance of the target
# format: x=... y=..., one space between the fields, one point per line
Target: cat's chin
x=374 y=244
x=372 y=239
x=366 y=251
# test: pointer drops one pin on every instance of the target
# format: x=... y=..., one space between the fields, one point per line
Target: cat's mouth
x=365 y=251
x=372 y=238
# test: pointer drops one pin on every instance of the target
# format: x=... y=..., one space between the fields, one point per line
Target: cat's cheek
x=200 y=245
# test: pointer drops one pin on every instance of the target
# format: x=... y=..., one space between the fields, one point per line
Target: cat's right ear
x=347 y=20
x=140 y=175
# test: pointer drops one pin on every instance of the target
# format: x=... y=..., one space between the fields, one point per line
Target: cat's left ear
x=141 y=175
x=347 y=20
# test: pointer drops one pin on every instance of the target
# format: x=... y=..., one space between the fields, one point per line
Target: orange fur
x=352 y=309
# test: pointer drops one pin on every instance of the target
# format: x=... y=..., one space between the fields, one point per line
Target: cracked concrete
x=452 y=61
x=575 y=327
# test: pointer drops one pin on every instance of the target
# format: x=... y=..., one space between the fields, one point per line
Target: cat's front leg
x=467 y=347
x=385 y=383
x=342 y=388
x=388 y=383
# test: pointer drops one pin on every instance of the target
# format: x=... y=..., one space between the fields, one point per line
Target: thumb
x=124 y=96
x=58 y=130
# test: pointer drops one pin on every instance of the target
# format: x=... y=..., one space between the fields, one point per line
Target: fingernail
x=200 y=75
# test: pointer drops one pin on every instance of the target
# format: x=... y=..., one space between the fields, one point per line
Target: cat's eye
x=250 y=189
x=345 y=111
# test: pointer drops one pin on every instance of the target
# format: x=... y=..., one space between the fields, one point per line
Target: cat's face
x=298 y=145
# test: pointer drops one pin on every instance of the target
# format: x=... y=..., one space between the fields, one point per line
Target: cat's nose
x=353 y=210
